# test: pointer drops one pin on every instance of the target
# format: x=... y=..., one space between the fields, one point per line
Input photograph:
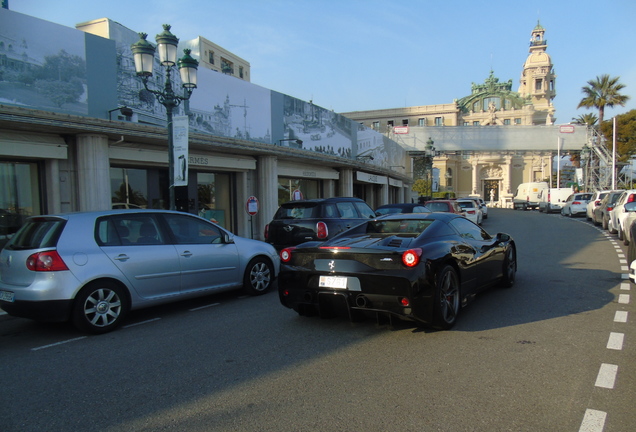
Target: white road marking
x=620 y=316
x=141 y=322
x=59 y=343
x=204 y=307
x=623 y=298
x=593 y=421
x=606 y=376
x=615 y=341
x=625 y=286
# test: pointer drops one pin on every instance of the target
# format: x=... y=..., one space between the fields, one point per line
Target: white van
x=527 y=195
x=553 y=199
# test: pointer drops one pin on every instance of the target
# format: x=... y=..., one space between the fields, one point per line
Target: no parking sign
x=251 y=206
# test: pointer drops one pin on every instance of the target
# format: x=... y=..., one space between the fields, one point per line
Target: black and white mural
x=42 y=65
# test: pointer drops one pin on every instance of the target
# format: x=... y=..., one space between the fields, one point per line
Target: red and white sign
x=251 y=206
x=566 y=128
x=401 y=129
x=297 y=195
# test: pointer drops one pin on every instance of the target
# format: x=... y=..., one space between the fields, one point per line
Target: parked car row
x=93 y=268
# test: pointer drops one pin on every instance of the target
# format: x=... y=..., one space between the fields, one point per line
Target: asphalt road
x=554 y=353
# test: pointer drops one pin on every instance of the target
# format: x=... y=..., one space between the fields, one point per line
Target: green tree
x=625 y=134
x=603 y=92
x=421 y=186
x=589 y=119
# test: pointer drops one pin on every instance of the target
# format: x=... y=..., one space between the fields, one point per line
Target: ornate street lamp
x=144 y=56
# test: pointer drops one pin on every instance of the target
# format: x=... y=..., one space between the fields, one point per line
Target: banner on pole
x=180 y=147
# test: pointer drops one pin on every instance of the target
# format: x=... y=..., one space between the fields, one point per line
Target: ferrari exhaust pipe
x=361 y=301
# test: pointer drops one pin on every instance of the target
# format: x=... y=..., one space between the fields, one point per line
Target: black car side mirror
x=502 y=237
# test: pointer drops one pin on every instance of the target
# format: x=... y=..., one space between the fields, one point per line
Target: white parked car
x=594 y=202
x=619 y=214
x=471 y=210
x=576 y=204
x=630 y=210
x=553 y=199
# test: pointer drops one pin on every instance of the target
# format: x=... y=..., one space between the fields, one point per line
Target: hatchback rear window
x=37 y=233
x=298 y=211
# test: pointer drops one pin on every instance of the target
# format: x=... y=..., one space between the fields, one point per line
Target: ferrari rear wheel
x=509 y=268
x=446 y=299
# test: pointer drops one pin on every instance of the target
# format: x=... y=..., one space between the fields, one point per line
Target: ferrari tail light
x=405 y=301
x=321 y=230
x=411 y=257
x=286 y=254
x=286 y=292
x=266 y=232
x=46 y=261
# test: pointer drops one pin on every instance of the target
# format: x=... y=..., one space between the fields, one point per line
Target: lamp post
x=144 y=55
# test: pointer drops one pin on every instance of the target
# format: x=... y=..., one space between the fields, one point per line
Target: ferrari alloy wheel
x=446 y=299
x=258 y=277
x=100 y=307
x=509 y=268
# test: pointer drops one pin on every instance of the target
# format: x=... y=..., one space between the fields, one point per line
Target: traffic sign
x=251 y=206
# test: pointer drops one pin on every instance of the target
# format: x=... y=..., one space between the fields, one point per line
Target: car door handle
x=186 y=254
x=121 y=257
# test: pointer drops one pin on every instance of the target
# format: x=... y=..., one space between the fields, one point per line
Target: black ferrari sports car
x=417 y=267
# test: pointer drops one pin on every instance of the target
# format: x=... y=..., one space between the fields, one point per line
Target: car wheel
x=446 y=299
x=625 y=239
x=604 y=224
x=100 y=307
x=259 y=275
x=509 y=269
x=620 y=234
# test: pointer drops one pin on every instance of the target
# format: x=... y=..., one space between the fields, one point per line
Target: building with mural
x=79 y=131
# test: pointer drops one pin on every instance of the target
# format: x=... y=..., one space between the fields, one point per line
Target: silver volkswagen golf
x=92 y=268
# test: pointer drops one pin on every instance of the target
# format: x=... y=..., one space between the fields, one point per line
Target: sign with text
x=180 y=150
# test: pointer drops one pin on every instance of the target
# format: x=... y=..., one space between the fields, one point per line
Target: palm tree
x=603 y=92
x=588 y=119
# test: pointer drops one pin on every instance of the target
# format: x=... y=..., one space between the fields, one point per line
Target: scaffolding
x=600 y=165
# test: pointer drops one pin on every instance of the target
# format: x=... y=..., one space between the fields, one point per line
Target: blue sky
x=350 y=55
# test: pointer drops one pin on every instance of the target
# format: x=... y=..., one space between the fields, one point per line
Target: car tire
x=620 y=234
x=259 y=276
x=447 y=299
x=509 y=274
x=100 y=307
x=604 y=223
x=625 y=240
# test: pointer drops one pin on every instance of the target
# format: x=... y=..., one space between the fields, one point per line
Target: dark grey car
x=300 y=221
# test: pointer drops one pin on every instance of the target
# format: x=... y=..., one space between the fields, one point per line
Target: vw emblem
x=332 y=265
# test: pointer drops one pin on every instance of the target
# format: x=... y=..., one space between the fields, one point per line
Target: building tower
x=538 y=80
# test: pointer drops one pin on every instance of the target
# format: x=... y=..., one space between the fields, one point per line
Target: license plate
x=333 y=282
x=6 y=296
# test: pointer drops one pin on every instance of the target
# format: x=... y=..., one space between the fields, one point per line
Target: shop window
x=309 y=189
x=129 y=188
x=214 y=197
x=19 y=196
x=405 y=122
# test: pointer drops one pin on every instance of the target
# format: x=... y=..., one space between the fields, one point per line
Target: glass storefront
x=310 y=189
x=214 y=198
x=19 y=196
x=129 y=187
